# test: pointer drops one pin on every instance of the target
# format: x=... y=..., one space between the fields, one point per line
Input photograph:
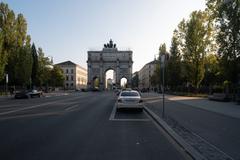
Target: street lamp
x=163 y=57
x=6 y=75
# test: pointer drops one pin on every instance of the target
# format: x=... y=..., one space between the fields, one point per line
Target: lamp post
x=163 y=69
x=6 y=77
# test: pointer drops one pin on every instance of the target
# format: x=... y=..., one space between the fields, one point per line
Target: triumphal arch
x=109 y=58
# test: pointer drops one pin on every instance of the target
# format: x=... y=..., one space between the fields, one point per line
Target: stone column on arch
x=117 y=74
x=89 y=83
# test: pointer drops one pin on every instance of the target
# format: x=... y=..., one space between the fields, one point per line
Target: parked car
x=130 y=99
x=28 y=94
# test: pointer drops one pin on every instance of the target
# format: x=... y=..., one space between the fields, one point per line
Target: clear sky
x=67 y=29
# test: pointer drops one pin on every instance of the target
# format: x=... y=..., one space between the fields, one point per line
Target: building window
x=66 y=70
x=66 y=78
x=71 y=70
x=67 y=84
x=71 y=78
x=71 y=84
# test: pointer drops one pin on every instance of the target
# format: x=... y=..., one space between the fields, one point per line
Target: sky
x=67 y=29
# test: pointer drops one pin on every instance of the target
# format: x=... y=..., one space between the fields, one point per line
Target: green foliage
x=34 y=65
x=44 y=69
x=162 y=49
x=155 y=78
x=24 y=66
x=226 y=14
x=15 y=57
x=173 y=70
x=3 y=58
x=195 y=47
x=213 y=73
x=57 y=77
x=135 y=80
x=7 y=31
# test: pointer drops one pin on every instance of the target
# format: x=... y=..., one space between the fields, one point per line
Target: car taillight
x=119 y=100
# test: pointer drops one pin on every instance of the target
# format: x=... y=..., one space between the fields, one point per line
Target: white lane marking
x=112 y=116
x=72 y=107
x=35 y=106
x=131 y=120
x=154 y=101
x=32 y=115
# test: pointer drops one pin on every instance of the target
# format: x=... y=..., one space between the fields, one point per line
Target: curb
x=180 y=141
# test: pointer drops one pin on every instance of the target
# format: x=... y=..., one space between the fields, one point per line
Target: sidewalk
x=226 y=108
x=193 y=121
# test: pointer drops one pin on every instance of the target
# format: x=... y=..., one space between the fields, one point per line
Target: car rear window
x=129 y=94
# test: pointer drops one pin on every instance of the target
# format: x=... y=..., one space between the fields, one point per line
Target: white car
x=129 y=99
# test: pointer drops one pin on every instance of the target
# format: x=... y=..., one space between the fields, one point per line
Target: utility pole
x=163 y=83
x=6 y=83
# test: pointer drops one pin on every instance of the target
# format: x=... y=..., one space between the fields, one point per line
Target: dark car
x=28 y=94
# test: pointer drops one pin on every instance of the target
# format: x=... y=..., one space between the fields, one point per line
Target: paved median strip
x=194 y=145
x=190 y=150
x=113 y=118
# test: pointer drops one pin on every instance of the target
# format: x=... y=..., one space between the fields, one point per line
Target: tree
x=23 y=60
x=24 y=65
x=197 y=40
x=155 y=78
x=8 y=41
x=162 y=49
x=226 y=15
x=44 y=68
x=213 y=74
x=15 y=51
x=3 y=58
x=135 y=80
x=174 y=63
x=34 y=65
x=57 y=77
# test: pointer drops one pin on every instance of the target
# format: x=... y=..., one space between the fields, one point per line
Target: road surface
x=80 y=126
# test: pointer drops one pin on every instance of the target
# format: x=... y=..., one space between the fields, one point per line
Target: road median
x=194 y=145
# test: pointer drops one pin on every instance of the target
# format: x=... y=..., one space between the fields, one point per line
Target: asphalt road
x=219 y=130
x=81 y=126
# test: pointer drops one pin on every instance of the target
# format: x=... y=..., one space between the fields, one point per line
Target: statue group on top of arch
x=110 y=44
x=99 y=62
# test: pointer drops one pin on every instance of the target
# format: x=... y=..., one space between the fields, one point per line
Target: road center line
x=112 y=116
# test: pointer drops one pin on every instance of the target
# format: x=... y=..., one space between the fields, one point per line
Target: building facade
x=75 y=75
x=144 y=75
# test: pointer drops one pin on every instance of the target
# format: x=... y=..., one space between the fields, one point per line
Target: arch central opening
x=110 y=79
x=123 y=82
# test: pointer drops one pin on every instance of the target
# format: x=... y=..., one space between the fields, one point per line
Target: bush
x=218 y=89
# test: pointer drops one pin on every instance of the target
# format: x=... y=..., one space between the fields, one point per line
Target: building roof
x=153 y=62
x=67 y=63
x=150 y=63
